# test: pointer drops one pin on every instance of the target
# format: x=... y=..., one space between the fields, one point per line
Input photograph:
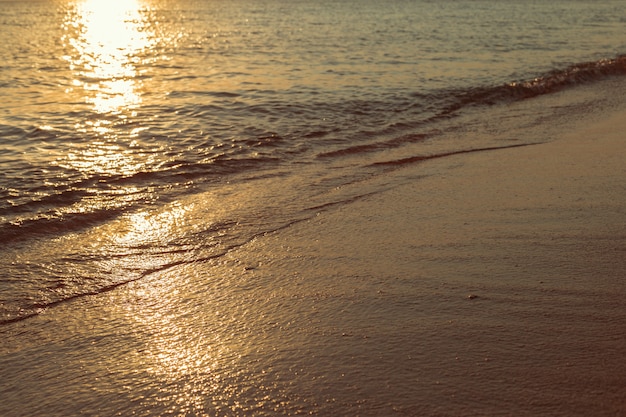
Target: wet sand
x=493 y=286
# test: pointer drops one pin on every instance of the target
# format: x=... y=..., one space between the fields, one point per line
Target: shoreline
x=491 y=286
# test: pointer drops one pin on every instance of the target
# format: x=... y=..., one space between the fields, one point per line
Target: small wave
x=63 y=198
x=376 y=146
x=438 y=106
x=551 y=82
x=54 y=223
x=98 y=199
x=271 y=140
x=214 y=166
x=11 y=131
x=316 y=134
x=39 y=132
x=200 y=93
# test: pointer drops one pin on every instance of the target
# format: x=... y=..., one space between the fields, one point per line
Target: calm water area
x=142 y=137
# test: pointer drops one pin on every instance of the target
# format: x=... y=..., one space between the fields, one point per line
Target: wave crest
x=573 y=75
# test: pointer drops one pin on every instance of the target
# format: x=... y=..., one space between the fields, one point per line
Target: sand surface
x=496 y=287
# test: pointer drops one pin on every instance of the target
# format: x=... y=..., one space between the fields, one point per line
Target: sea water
x=138 y=136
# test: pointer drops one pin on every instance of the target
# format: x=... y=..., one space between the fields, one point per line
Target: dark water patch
x=100 y=198
x=8 y=131
x=316 y=134
x=53 y=223
x=57 y=200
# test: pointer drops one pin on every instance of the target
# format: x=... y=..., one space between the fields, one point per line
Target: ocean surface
x=138 y=136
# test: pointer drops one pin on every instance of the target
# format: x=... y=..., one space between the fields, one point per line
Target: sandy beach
x=343 y=208
x=493 y=286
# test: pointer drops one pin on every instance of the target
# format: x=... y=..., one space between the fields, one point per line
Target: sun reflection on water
x=105 y=40
x=158 y=228
x=107 y=45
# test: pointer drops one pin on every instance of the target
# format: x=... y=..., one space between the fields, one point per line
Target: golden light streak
x=105 y=42
x=105 y=39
